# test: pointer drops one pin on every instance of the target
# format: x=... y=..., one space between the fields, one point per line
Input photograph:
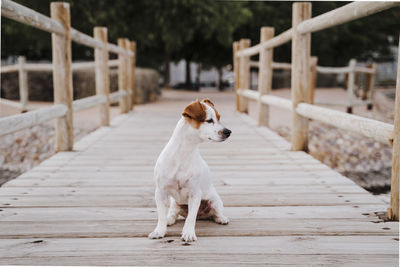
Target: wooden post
x=350 y=85
x=123 y=103
x=370 y=85
x=313 y=82
x=102 y=74
x=132 y=47
x=265 y=75
x=128 y=74
x=236 y=71
x=62 y=75
x=23 y=84
x=244 y=80
x=301 y=46
x=393 y=211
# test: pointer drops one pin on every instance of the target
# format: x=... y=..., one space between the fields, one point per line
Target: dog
x=182 y=176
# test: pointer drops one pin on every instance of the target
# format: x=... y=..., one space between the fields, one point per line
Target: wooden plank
x=221 y=188
x=278 y=245
x=359 y=213
x=209 y=259
x=236 y=227
x=229 y=199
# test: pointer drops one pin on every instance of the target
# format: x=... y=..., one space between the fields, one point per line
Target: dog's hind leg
x=162 y=210
x=218 y=208
x=173 y=212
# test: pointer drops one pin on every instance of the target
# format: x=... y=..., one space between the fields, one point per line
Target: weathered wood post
x=23 y=84
x=62 y=75
x=102 y=74
x=128 y=74
x=123 y=103
x=236 y=71
x=132 y=47
x=313 y=82
x=301 y=47
x=244 y=80
x=265 y=75
x=393 y=211
x=370 y=85
x=350 y=85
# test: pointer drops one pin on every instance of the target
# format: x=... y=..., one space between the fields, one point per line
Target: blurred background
x=190 y=42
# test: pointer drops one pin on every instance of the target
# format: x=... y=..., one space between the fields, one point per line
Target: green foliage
x=202 y=31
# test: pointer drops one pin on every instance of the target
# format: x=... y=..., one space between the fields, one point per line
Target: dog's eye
x=210 y=121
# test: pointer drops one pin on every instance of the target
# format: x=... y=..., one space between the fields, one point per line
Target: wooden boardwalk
x=95 y=206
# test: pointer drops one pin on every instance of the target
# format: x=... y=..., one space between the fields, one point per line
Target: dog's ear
x=195 y=111
x=208 y=101
x=211 y=104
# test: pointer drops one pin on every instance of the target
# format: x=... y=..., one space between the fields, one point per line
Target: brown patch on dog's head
x=195 y=114
x=211 y=104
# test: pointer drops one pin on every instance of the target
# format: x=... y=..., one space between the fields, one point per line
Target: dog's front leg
x=188 y=232
x=162 y=210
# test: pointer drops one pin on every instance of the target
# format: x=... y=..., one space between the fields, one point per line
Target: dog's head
x=204 y=118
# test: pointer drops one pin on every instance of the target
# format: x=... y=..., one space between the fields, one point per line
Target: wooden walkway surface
x=95 y=206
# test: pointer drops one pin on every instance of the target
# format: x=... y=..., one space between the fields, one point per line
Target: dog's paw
x=171 y=220
x=188 y=236
x=221 y=219
x=156 y=234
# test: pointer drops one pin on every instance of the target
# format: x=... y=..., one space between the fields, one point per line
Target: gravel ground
x=23 y=150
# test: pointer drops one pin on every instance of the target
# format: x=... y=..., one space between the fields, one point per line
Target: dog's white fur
x=183 y=177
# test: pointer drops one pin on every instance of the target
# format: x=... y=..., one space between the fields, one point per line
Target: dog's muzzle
x=226 y=132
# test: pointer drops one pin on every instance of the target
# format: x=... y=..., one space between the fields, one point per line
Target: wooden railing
x=351 y=72
x=302 y=82
x=22 y=68
x=62 y=35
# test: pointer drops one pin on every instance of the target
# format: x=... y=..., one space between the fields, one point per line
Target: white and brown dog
x=182 y=176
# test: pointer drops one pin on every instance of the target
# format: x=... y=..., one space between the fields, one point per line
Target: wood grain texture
x=300 y=76
x=95 y=205
x=102 y=74
x=264 y=75
x=62 y=76
x=394 y=188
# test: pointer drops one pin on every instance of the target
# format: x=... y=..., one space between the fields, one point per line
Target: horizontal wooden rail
x=278 y=40
x=10 y=103
x=20 y=13
x=48 y=67
x=18 y=122
x=320 y=69
x=9 y=68
x=32 y=18
x=88 y=102
x=277 y=101
x=116 y=96
x=343 y=14
x=380 y=131
x=271 y=100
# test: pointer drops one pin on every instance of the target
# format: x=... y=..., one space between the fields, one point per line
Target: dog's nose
x=226 y=132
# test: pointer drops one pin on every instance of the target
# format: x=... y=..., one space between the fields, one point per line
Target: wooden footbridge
x=93 y=204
